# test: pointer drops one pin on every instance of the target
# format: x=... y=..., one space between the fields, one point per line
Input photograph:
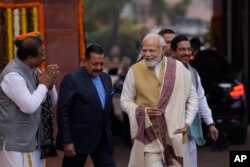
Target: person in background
x=195 y=45
x=168 y=36
x=26 y=99
x=149 y=97
x=181 y=50
x=84 y=113
x=208 y=62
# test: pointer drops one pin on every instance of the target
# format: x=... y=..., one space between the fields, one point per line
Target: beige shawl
x=172 y=96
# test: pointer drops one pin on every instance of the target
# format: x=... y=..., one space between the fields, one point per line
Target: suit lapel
x=91 y=86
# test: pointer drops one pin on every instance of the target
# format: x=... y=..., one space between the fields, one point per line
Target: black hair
x=176 y=40
x=195 y=43
x=166 y=31
x=28 y=47
x=93 y=48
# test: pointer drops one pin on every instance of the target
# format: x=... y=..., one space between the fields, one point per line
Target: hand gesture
x=49 y=75
x=69 y=150
x=153 y=112
x=182 y=130
x=213 y=132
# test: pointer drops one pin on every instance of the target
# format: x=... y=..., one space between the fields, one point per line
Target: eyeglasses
x=185 y=49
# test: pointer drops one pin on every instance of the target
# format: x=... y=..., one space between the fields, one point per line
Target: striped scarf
x=146 y=133
x=47 y=141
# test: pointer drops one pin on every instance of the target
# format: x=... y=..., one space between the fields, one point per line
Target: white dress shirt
x=204 y=109
x=14 y=86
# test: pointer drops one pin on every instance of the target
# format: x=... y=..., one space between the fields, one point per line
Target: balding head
x=28 y=47
x=31 y=51
x=155 y=37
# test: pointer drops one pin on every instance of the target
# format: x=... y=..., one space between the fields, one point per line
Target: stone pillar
x=61 y=34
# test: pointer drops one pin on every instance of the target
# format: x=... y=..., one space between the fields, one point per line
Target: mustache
x=185 y=55
x=95 y=70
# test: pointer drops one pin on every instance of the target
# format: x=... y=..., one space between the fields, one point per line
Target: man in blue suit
x=84 y=113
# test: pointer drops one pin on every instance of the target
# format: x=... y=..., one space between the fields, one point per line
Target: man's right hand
x=153 y=112
x=69 y=150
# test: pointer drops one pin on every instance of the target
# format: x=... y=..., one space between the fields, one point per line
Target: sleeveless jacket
x=18 y=129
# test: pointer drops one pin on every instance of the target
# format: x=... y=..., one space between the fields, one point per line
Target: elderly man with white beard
x=161 y=103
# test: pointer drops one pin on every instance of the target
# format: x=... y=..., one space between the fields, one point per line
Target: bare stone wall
x=61 y=33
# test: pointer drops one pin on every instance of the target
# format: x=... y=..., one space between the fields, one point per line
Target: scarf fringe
x=195 y=131
x=200 y=141
x=48 y=151
x=47 y=142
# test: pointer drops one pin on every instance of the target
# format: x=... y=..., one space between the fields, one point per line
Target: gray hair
x=155 y=35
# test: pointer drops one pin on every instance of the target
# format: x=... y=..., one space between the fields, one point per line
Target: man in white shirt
x=161 y=103
x=26 y=98
x=181 y=50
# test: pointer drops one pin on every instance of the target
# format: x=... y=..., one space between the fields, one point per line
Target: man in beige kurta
x=161 y=103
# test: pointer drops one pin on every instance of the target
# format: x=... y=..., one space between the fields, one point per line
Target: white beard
x=153 y=63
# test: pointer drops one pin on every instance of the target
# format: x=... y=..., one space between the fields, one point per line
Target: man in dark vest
x=26 y=98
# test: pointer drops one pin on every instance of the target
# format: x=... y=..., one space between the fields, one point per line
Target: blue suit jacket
x=81 y=118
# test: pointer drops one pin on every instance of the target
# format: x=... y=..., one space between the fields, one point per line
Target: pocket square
x=112 y=93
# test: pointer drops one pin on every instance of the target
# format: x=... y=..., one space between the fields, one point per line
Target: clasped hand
x=48 y=76
x=154 y=112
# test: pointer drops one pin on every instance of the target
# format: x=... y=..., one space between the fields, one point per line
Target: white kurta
x=183 y=100
x=206 y=115
x=205 y=111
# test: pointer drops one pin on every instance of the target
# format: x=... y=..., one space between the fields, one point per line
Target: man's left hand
x=213 y=132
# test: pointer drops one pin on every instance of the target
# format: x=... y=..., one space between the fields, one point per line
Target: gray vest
x=17 y=129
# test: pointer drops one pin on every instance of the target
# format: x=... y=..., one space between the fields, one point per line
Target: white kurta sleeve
x=191 y=105
x=15 y=87
x=128 y=93
x=127 y=101
x=204 y=109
